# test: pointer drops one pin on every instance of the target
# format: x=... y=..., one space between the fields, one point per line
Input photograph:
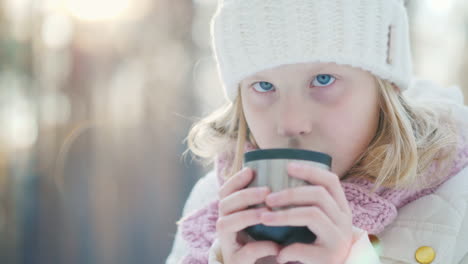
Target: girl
x=332 y=76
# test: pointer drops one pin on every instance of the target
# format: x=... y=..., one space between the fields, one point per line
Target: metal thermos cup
x=270 y=169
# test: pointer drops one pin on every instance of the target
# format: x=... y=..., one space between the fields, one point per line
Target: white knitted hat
x=249 y=36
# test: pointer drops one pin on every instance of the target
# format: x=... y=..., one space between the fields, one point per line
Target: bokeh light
x=96 y=99
x=95 y=10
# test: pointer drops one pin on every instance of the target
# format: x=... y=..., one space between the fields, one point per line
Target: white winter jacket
x=431 y=229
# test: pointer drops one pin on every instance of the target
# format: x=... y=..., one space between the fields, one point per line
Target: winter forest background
x=96 y=97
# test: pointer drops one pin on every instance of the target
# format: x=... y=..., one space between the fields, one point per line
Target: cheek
x=259 y=121
x=349 y=133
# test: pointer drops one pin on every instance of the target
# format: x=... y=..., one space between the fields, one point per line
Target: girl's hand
x=236 y=246
x=322 y=207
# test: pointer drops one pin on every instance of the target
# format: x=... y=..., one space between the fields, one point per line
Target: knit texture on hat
x=249 y=36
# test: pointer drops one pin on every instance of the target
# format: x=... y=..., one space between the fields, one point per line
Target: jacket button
x=375 y=241
x=425 y=255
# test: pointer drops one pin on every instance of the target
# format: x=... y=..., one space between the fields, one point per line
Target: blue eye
x=263 y=87
x=323 y=80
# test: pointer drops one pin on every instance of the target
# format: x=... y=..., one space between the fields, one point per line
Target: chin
x=340 y=171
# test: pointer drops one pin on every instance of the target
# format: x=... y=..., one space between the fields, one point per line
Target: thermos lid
x=288 y=153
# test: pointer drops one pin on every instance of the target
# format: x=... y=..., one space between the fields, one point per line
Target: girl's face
x=317 y=106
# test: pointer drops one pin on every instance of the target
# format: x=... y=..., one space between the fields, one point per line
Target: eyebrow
x=311 y=69
x=255 y=76
x=249 y=79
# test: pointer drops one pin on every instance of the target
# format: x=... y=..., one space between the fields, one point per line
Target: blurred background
x=96 y=98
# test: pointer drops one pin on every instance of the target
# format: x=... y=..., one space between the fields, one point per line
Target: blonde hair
x=409 y=138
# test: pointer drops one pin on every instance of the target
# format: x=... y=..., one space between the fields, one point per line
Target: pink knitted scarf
x=371 y=211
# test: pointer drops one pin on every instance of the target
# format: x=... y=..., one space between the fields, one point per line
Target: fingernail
x=280 y=261
x=262 y=190
x=244 y=171
x=261 y=211
x=267 y=216
x=272 y=197
x=295 y=165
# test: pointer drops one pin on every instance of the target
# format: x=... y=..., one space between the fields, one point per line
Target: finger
x=311 y=216
x=318 y=176
x=242 y=199
x=228 y=227
x=236 y=222
x=311 y=195
x=303 y=253
x=237 y=182
x=256 y=250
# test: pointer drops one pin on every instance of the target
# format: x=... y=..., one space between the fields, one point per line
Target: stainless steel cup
x=270 y=168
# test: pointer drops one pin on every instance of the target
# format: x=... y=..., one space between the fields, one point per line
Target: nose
x=294 y=119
